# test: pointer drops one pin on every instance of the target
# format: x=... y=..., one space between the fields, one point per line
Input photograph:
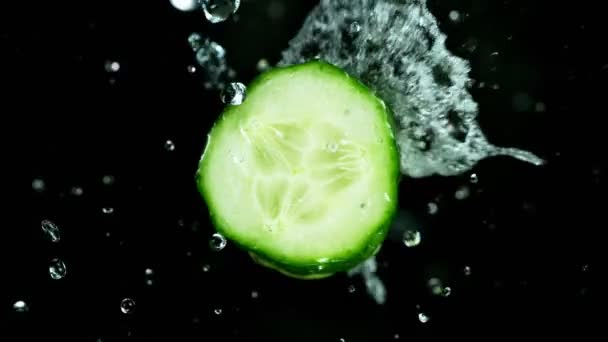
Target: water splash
x=373 y=284
x=396 y=48
x=211 y=57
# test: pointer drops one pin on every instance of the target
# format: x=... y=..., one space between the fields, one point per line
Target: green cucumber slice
x=304 y=173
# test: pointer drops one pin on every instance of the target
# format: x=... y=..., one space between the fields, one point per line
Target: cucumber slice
x=304 y=173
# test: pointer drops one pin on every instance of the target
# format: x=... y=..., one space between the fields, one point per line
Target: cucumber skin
x=327 y=268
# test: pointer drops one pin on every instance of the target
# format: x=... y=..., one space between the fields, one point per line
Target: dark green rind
x=297 y=268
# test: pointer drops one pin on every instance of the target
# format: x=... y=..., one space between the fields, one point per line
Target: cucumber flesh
x=304 y=173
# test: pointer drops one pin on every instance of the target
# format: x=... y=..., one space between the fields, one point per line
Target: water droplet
x=540 y=107
x=473 y=178
x=20 y=306
x=38 y=185
x=446 y=292
x=149 y=272
x=217 y=242
x=169 y=146
x=254 y=294
x=184 y=5
x=195 y=41
x=112 y=66
x=108 y=234
x=432 y=208
x=217 y=311
x=423 y=318
x=50 y=229
x=462 y=192
x=435 y=286
x=107 y=210
x=496 y=86
x=211 y=57
x=332 y=147
x=76 y=191
x=57 y=269
x=411 y=238
x=191 y=69
x=454 y=16
x=352 y=289
x=219 y=10
x=585 y=268
x=127 y=306
x=354 y=28
x=396 y=336
x=342 y=340
x=206 y=268
x=107 y=180
x=234 y=94
x=467 y=270
x=362 y=205
x=262 y=65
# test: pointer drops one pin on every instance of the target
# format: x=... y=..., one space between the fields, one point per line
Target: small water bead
x=107 y=210
x=454 y=16
x=20 y=306
x=462 y=193
x=169 y=146
x=585 y=268
x=435 y=286
x=191 y=69
x=254 y=294
x=411 y=238
x=446 y=292
x=217 y=11
x=540 y=107
x=112 y=66
x=432 y=208
x=57 y=269
x=51 y=230
x=108 y=180
x=342 y=340
x=206 y=268
x=38 y=185
x=234 y=94
x=423 y=318
x=217 y=311
x=127 y=306
x=195 y=41
x=184 y=5
x=352 y=289
x=262 y=65
x=76 y=191
x=354 y=28
x=396 y=336
x=473 y=178
x=217 y=242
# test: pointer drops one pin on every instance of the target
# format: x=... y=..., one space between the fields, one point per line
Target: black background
x=532 y=236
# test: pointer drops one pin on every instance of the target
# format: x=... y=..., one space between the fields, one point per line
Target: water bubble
x=51 y=230
x=212 y=58
x=217 y=242
x=57 y=269
x=254 y=294
x=446 y=292
x=219 y=10
x=38 y=185
x=473 y=178
x=169 y=146
x=217 y=311
x=454 y=16
x=262 y=65
x=234 y=94
x=20 y=306
x=107 y=180
x=352 y=289
x=76 y=191
x=411 y=238
x=107 y=210
x=423 y=318
x=462 y=192
x=432 y=208
x=332 y=147
x=112 y=66
x=127 y=306
x=467 y=270
x=184 y=5
x=191 y=69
